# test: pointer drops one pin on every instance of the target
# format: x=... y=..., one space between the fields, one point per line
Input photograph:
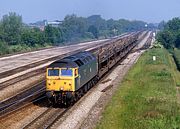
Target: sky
x=151 y=11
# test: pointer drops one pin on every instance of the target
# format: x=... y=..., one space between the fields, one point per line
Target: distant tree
x=33 y=37
x=93 y=30
x=137 y=25
x=170 y=35
x=98 y=23
x=177 y=40
x=3 y=48
x=173 y=25
x=73 y=27
x=19 y=36
x=166 y=38
x=27 y=37
x=11 y=27
x=53 y=35
x=161 y=25
x=113 y=27
x=1 y=33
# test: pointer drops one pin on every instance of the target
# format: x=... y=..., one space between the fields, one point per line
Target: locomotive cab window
x=53 y=72
x=85 y=61
x=79 y=62
x=66 y=72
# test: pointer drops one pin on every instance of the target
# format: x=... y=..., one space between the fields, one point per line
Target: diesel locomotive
x=66 y=77
x=70 y=78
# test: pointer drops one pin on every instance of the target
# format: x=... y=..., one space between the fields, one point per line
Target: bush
x=176 y=56
x=4 y=49
x=19 y=48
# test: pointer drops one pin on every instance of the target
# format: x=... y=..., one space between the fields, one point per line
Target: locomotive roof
x=73 y=61
x=63 y=63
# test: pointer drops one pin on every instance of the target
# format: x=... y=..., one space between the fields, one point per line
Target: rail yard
x=89 y=64
x=23 y=83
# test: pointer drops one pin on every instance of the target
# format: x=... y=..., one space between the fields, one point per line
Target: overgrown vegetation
x=177 y=58
x=16 y=36
x=147 y=98
x=169 y=35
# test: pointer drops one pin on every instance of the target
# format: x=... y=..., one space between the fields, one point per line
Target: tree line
x=169 y=34
x=17 y=36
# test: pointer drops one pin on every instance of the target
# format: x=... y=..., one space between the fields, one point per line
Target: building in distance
x=41 y=24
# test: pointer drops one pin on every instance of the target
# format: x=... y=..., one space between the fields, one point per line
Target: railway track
x=22 y=99
x=21 y=78
x=37 y=61
x=29 y=74
x=29 y=66
x=6 y=79
x=10 y=77
x=46 y=119
x=70 y=50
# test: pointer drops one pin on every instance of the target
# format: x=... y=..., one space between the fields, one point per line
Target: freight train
x=70 y=78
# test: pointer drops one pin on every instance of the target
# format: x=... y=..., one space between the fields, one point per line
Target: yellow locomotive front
x=60 y=82
x=60 y=79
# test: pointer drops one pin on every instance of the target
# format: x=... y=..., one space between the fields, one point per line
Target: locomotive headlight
x=48 y=82
x=62 y=88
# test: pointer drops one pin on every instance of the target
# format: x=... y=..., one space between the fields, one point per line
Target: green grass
x=147 y=97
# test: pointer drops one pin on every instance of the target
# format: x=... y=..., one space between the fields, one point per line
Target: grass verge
x=147 y=97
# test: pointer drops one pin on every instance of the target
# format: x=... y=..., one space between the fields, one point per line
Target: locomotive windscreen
x=53 y=72
x=66 y=72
